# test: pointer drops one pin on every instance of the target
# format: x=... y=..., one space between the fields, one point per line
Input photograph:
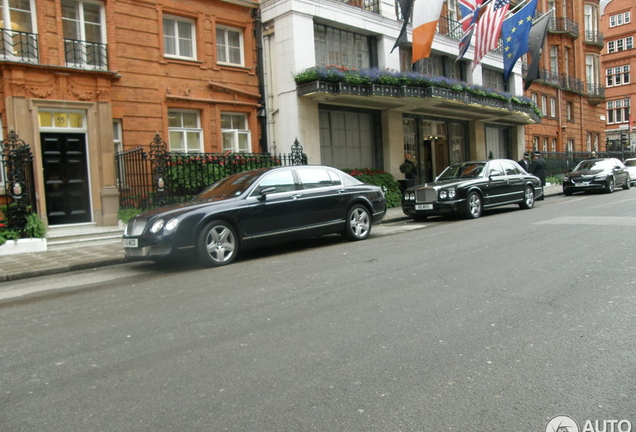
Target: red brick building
x=618 y=60
x=570 y=92
x=84 y=79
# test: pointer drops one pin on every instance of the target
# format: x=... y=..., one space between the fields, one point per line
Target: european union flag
x=514 y=34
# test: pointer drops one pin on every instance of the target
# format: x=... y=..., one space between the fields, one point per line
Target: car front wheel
x=217 y=244
x=358 y=224
x=609 y=186
x=528 y=198
x=474 y=206
x=628 y=183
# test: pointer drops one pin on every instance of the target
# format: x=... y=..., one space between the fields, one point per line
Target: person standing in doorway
x=538 y=169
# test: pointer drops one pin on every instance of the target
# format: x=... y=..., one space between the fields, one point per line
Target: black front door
x=65 y=178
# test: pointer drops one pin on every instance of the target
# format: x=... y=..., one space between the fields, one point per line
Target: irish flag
x=425 y=16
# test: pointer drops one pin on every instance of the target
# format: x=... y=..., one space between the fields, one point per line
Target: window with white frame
x=569 y=111
x=554 y=59
x=545 y=145
x=235 y=132
x=84 y=34
x=535 y=143
x=620 y=44
x=620 y=19
x=341 y=47
x=592 y=71
x=588 y=142
x=570 y=146
x=184 y=129
x=19 y=30
x=590 y=18
x=179 y=37
x=616 y=76
x=554 y=141
x=544 y=105
x=119 y=147
x=552 y=107
x=596 y=137
x=618 y=111
x=534 y=98
x=229 y=46
x=493 y=79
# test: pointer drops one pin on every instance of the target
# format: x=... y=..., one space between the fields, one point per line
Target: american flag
x=488 y=28
x=470 y=12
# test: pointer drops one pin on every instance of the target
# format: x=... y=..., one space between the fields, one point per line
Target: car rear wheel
x=609 y=186
x=528 y=198
x=217 y=244
x=474 y=206
x=628 y=183
x=358 y=224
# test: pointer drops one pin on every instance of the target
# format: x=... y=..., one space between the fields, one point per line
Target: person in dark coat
x=538 y=169
x=525 y=162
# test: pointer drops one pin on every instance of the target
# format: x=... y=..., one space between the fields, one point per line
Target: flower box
x=26 y=245
x=353 y=89
x=316 y=87
x=385 y=90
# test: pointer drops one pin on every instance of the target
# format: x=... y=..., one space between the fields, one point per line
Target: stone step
x=81 y=235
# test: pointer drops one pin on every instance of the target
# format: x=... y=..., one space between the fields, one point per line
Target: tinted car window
x=465 y=170
x=630 y=162
x=313 y=178
x=283 y=181
x=594 y=164
x=510 y=168
x=229 y=187
x=334 y=178
x=494 y=168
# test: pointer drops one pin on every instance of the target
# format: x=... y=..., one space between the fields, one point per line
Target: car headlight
x=172 y=224
x=156 y=227
x=409 y=196
x=566 y=178
x=447 y=194
x=601 y=177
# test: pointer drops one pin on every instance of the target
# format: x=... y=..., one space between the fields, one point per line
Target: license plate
x=582 y=184
x=129 y=243
x=423 y=206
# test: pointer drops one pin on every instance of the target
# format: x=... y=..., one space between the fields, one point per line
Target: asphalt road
x=492 y=324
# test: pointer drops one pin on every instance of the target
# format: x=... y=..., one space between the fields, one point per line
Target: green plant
x=555 y=179
x=34 y=227
x=386 y=181
x=8 y=235
x=406 y=168
x=126 y=214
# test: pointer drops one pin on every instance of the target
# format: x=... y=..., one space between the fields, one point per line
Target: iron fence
x=17 y=172
x=559 y=163
x=159 y=177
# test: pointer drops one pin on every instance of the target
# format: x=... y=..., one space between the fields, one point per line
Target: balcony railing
x=86 y=55
x=594 y=37
x=595 y=90
x=450 y=28
x=368 y=5
x=565 y=82
x=564 y=25
x=19 y=46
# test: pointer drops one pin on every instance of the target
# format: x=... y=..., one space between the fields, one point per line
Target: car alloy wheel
x=528 y=198
x=474 y=205
x=609 y=187
x=628 y=183
x=217 y=244
x=358 y=223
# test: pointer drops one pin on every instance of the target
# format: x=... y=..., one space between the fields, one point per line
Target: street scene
x=499 y=323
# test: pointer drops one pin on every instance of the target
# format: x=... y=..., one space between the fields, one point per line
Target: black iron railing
x=562 y=162
x=368 y=5
x=159 y=177
x=17 y=166
x=595 y=90
x=594 y=37
x=450 y=28
x=86 y=55
x=19 y=46
x=563 y=25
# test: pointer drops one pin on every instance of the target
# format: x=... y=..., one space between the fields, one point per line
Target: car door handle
x=296 y=196
x=341 y=191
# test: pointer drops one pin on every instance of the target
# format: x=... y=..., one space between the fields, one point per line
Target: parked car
x=253 y=208
x=468 y=188
x=631 y=167
x=603 y=174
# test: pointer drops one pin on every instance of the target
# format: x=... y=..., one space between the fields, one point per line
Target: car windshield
x=594 y=164
x=463 y=170
x=229 y=187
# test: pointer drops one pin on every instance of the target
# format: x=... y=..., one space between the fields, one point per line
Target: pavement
x=83 y=257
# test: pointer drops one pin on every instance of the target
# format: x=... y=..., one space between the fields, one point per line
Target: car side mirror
x=263 y=191
x=495 y=173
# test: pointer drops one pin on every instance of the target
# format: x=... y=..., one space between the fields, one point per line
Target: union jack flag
x=488 y=28
x=470 y=12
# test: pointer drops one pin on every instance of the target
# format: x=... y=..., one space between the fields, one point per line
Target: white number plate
x=129 y=243
x=423 y=206
x=582 y=184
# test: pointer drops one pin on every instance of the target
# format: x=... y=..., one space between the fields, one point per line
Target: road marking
x=591 y=220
